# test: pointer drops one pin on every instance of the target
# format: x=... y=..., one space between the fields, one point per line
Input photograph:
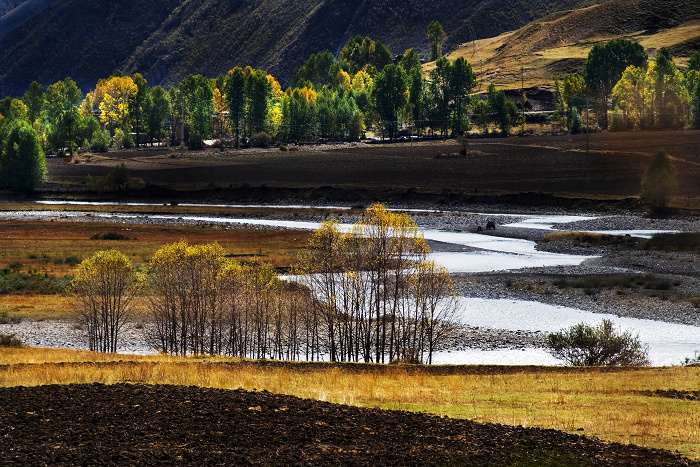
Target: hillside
x=14 y=13
x=559 y=43
x=168 y=39
x=8 y=5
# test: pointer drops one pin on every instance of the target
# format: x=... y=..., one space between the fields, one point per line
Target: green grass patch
x=592 y=283
x=685 y=241
x=6 y=318
x=109 y=236
x=15 y=282
x=10 y=340
x=591 y=238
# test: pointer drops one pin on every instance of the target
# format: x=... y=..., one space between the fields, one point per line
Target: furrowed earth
x=126 y=424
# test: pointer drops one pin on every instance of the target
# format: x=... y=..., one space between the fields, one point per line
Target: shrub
x=9 y=340
x=73 y=260
x=122 y=139
x=6 y=318
x=260 y=140
x=119 y=175
x=684 y=241
x=617 y=120
x=584 y=345
x=575 y=122
x=659 y=183
x=109 y=236
x=100 y=141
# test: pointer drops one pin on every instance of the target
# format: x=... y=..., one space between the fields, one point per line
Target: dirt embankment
x=165 y=425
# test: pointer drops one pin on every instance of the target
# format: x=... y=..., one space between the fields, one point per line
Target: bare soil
x=165 y=425
x=533 y=170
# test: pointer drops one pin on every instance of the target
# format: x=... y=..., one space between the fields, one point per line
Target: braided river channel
x=669 y=343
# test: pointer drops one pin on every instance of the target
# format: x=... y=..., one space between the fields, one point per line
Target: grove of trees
x=366 y=295
x=330 y=99
x=642 y=93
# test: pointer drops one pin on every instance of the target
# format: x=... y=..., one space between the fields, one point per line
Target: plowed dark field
x=161 y=425
x=613 y=166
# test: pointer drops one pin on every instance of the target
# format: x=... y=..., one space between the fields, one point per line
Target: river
x=669 y=344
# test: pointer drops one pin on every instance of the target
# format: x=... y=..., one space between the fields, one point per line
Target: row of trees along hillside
x=330 y=99
x=368 y=295
x=642 y=93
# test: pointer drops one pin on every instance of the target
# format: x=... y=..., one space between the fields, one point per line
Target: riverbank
x=673 y=299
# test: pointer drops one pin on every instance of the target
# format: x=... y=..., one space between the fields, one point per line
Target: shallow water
x=669 y=343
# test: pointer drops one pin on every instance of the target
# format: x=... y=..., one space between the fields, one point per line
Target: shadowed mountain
x=168 y=39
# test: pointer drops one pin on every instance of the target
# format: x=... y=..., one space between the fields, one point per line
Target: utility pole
x=522 y=88
x=588 y=154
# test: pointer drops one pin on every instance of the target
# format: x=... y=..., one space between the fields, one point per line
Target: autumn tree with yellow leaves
x=112 y=97
x=104 y=289
x=376 y=295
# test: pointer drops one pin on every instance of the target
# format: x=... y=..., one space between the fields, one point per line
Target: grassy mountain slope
x=559 y=43
x=168 y=39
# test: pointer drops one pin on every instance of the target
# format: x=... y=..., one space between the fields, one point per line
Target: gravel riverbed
x=675 y=304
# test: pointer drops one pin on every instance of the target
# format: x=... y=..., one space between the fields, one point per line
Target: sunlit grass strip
x=606 y=404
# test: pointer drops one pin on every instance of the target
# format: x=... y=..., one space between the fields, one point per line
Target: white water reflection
x=669 y=343
x=546 y=222
x=500 y=253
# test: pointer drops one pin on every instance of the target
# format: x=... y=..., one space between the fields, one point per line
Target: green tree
x=22 y=161
x=258 y=95
x=137 y=102
x=441 y=93
x=573 y=95
x=156 y=111
x=659 y=183
x=316 y=71
x=391 y=95
x=482 y=113
x=410 y=61
x=234 y=90
x=604 y=67
x=503 y=110
x=668 y=90
x=34 y=100
x=462 y=82
x=364 y=53
x=104 y=288
x=437 y=36
x=602 y=345
x=695 y=106
x=416 y=97
x=198 y=100
x=694 y=62
x=62 y=101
